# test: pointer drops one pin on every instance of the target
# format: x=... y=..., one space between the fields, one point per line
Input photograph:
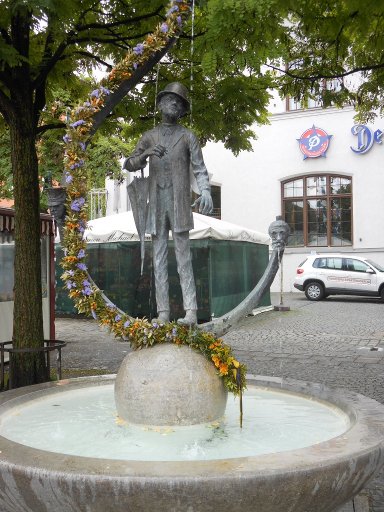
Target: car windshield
x=376 y=265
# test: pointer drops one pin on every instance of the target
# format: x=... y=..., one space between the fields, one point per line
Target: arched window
x=318 y=209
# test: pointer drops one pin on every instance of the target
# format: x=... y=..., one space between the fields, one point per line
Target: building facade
x=318 y=168
x=321 y=171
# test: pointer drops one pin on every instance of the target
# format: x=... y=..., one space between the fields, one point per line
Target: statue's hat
x=176 y=88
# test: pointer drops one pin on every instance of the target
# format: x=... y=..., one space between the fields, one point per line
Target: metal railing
x=49 y=346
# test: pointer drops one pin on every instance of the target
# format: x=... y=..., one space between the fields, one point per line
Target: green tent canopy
x=228 y=261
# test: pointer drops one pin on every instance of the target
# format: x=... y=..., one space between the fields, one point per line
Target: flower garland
x=88 y=298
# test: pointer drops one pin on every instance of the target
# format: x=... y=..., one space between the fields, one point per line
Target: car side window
x=335 y=263
x=319 y=263
x=356 y=265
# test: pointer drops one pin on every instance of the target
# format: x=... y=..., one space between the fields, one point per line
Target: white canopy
x=121 y=227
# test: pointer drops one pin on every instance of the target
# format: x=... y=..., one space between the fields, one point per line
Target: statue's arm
x=197 y=164
x=138 y=158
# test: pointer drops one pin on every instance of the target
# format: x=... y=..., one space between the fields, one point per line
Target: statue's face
x=279 y=231
x=171 y=106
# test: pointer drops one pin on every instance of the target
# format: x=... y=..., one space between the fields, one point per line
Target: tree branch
x=49 y=65
x=6 y=36
x=6 y=77
x=128 y=85
x=51 y=126
x=94 y=57
x=71 y=39
x=124 y=21
x=312 y=78
x=39 y=101
x=6 y=107
x=105 y=39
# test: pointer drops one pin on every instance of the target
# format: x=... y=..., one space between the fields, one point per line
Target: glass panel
x=293 y=215
x=293 y=104
x=335 y=263
x=317 y=222
x=220 y=285
x=314 y=103
x=341 y=185
x=293 y=188
x=356 y=265
x=341 y=221
x=316 y=186
x=230 y=283
x=320 y=263
x=7 y=252
x=378 y=267
x=44 y=266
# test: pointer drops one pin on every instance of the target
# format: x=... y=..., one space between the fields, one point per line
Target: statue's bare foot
x=189 y=319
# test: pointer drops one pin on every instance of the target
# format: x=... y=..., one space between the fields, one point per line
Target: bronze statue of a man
x=173 y=152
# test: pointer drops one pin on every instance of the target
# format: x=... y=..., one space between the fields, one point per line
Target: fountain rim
x=364 y=436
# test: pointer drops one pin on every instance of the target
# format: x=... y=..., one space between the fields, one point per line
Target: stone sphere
x=169 y=385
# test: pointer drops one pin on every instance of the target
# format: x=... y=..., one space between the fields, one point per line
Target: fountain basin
x=318 y=478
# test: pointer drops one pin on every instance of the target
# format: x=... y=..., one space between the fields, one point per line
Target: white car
x=321 y=275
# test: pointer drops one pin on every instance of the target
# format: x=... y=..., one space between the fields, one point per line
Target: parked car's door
x=359 y=276
x=330 y=271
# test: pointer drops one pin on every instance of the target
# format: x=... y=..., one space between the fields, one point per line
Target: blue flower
x=78 y=164
x=82 y=226
x=95 y=93
x=86 y=283
x=67 y=138
x=174 y=8
x=174 y=331
x=77 y=204
x=105 y=90
x=93 y=314
x=77 y=123
x=138 y=49
x=68 y=178
x=81 y=253
x=164 y=28
x=135 y=65
x=86 y=291
x=82 y=146
x=70 y=284
x=127 y=323
x=71 y=273
x=155 y=325
x=179 y=21
x=117 y=318
x=81 y=266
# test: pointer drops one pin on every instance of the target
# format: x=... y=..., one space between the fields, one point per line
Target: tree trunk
x=26 y=367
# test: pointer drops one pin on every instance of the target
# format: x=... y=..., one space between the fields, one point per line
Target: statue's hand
x=157 y=150
x=204 y=202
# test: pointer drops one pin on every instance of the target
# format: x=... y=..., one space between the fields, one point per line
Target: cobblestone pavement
x=338 y=342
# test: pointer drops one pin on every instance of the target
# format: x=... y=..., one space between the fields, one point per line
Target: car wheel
x=314 y=291
x=382 y=293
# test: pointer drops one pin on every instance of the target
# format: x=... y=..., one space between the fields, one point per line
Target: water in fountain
x=84 y=422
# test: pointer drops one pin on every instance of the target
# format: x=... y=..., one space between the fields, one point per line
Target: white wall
x=251 y=193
